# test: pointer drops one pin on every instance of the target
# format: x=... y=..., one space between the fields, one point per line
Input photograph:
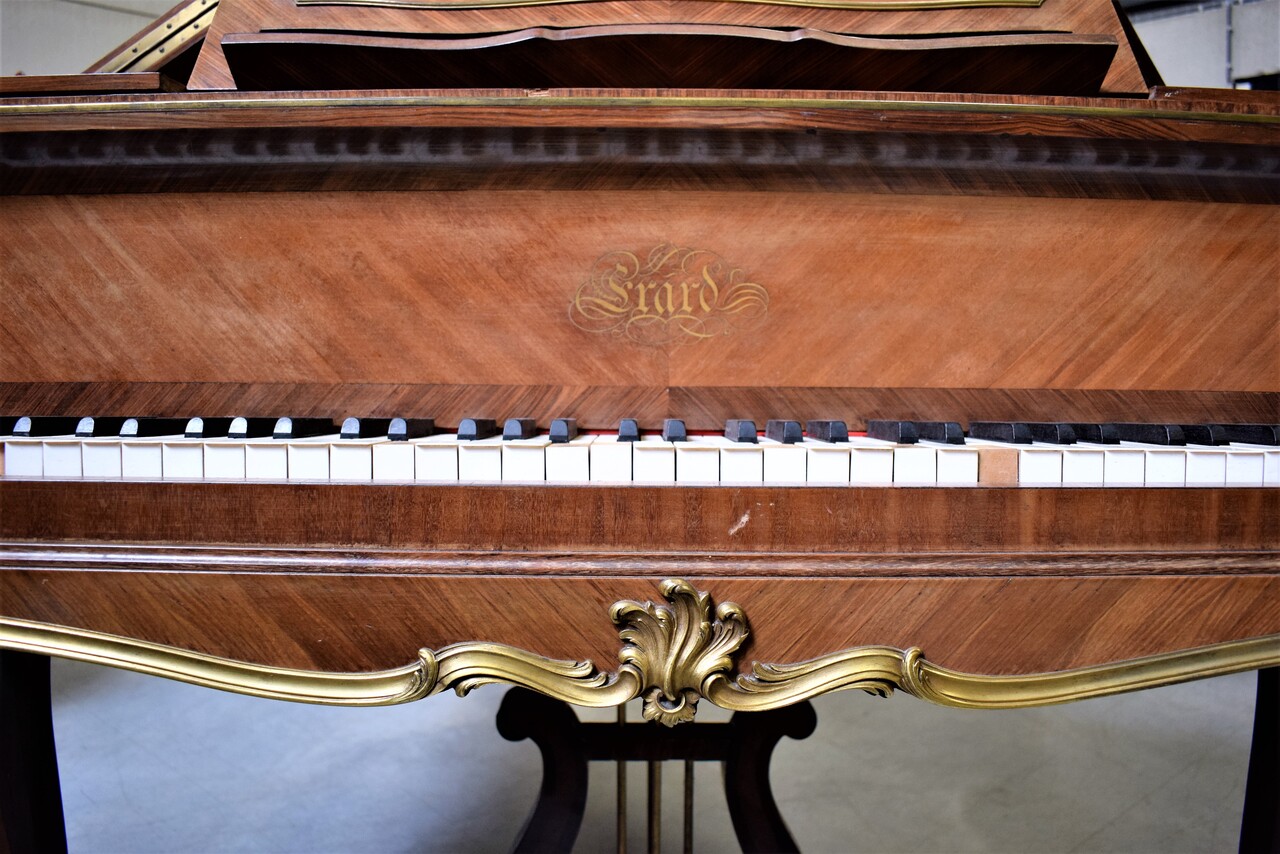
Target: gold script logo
x=671 y=295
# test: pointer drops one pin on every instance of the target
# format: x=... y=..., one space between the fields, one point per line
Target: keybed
x=483 y=451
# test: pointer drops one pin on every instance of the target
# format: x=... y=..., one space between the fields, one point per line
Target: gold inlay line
x=181 y=105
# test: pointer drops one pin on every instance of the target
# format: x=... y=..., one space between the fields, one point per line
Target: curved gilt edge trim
x=672 y=656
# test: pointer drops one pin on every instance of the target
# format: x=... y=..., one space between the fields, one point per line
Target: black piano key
x=90 y=427
x=364 y=428
x=786 y=432
x=474 y=429
x=1012 y=432
x=563 y=430
x=1253 y=434
x=44 y=425
x=740 y=430
x=1151 y=434
x=948 y=432
x=1052 y=433
x=628 y=430
x=404 y=429
x=902 y=432
x=673 y=430
x=302 y=428
x=827 y=431
x=1204 y=434
x=6 y=424
x=148 y=428
x=239 y=427
x=1097 y=434
x=519 y=428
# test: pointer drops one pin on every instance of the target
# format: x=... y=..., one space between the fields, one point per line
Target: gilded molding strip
x=672 y=655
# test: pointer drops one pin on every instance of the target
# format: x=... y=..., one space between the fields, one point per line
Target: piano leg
x=30 y=797
x=1260 y=829
x=557 y=816
x=755 y=815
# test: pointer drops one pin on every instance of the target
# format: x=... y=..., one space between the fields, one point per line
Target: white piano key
x=142 y=459
x=570 y=462
x=101 y=458
x=828 y=462
x=351 y=460
x=182 y=459
x=62 y=457
x=740 y=462
x=1123 y=466
x=393 y=462
x=784 y=463
x=435 y=458
x=698 y=460
x=915 y=464
x=309 y=458
x=266 y=459
x=480 y=460
x=525 y=460
x=654 y=460
x=1206 y=466
x=1164 y=466
x=1245 y=467
x=224 y=459
x=1083 y=464
x=1270 y=460
x=24 y=458
x=957 y=464
x=611 y=460
x=870 y=461
x=1039 y=464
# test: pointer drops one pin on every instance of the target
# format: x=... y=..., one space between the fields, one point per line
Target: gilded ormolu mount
x=674 y=653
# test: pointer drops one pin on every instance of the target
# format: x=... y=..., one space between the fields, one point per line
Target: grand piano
x=1032 y=289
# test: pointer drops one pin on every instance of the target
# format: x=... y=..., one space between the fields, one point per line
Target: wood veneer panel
x=864 y=291
x=351 y=623
x=1066 y=16
x=28 y=85
x=641 y=56
x=940 y=113
x=603 y=519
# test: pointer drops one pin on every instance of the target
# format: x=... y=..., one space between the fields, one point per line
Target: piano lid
x=1012 y=47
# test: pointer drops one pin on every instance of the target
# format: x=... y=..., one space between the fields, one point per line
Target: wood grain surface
x=358 y=623
x=808 y=111
x=688 y=56
x=1095 y=17
x=639 y=520
x=864 y=291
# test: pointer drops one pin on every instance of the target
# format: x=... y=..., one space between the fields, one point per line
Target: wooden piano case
x=800 y=254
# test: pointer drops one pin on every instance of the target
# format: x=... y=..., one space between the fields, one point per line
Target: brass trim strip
x=185 y=103
x=672 y=655
x=146 y=53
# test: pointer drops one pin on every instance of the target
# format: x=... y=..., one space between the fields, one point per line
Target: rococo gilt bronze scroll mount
x=674 y=653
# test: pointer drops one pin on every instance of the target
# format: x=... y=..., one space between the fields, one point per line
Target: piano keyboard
x=819 y=452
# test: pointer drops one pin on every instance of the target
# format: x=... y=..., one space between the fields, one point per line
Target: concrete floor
x=156 y=766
